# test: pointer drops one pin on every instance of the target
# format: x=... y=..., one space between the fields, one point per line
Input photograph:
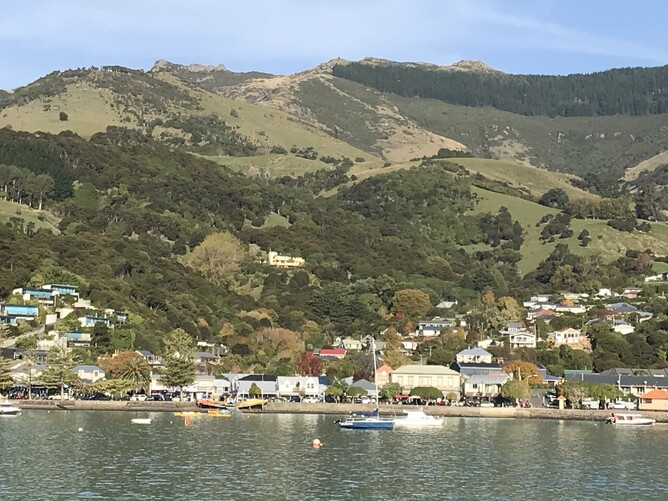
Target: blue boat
x=368 y=420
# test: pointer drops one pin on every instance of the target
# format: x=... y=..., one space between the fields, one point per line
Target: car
x=295 y=400
x=310 y=400
x=138 y=398
x=363 y=400
x=622 y=405
x=330 y=399
x=486 y=404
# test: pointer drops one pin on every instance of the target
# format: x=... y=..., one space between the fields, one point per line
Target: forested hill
x=626 y=91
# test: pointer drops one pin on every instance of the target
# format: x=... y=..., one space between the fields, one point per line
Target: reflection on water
x=269 y=457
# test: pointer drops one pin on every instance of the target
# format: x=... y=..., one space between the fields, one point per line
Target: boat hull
x=437 y=423
x=141 y=421
x=367 y=425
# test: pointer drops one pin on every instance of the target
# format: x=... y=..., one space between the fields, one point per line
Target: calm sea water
x=44 y=457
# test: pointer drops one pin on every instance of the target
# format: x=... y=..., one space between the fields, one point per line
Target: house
x=484 y=385
x=438 y=376
x=121 y=316
x=382 y=376
x=488 y=343
x=446 y=305
x=604 y=293
x=622 y=327
x=626 y=309
x=88 y=373
x=77 y=338
x=275 y=259
x=44 y=296
x=348 y=343
x=653 y=400
x=202 y=359
x=522 y=339
x=267 y=383
x=62 y=289
x=330 y=353
x=203 y=386
x=368 y=386
x=152 y=359
x=20 y=311
x=571 y=337
x=91 y=320
x=289 y=386
x=631 y=292
x=513 y=327
x=541 y=298
x=474 y=355
x=663 y=277
x=433 y=327
x=634 y=382
x=7 y=320
x=471 y=368
x=576 y=309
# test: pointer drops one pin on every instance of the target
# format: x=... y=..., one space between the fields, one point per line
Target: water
x=44 y=457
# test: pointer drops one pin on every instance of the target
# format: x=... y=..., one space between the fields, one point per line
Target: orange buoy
x=187 y=420
x=316 y=444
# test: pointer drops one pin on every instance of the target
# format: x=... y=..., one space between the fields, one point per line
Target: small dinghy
x=141 y=421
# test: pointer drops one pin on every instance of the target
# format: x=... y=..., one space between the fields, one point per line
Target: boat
x=219 y=413
x=251 y=403
x=370 y=420
x=418 y=419
x=189 y=414
x=7 y=409
x=141 y=420
x=207 y=403
x=629 y=420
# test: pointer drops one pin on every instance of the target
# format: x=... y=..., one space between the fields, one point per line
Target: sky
x=287 y=36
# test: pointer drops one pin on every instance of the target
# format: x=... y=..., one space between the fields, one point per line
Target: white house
x=569 y=336
x=433 y=327
x=275 y=259
x=89 y=373
x=484 y=385
x=348 y=343
x=438 y=376
x=522 y=339
x=290 y=386
x=474 y=356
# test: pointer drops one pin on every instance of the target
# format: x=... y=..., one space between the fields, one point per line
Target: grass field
x=10 y=209
x=538 y=181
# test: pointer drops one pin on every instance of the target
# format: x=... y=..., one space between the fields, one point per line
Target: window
x=439 y=381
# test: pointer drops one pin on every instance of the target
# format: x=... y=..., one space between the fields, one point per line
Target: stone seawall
x=338 y=409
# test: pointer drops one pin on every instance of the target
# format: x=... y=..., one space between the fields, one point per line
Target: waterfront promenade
x=339 y=409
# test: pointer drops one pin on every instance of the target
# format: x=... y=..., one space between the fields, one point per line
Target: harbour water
x=45 y=457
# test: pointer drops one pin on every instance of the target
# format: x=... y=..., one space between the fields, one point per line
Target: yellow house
x=654 y=400
x=438 y=376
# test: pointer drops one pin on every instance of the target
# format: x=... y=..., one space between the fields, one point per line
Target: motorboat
x=141 y=421
x=207 y=403
x=219 y=413
x=417 y=419
x=7 y=409
x=629 y=420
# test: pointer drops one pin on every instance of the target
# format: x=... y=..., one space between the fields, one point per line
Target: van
x=589 y=403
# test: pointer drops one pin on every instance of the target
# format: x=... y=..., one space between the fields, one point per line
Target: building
x=654 y=400
x=474 y=355
x=275 y=259
x=330 y=353
x=152 y=359
x=20 y=311
x=433 y=327
x=77 y=338
x=91 y=320
x=484 y=385
x=570 y=337
x=62 y=289
x=438 y=376
x=368 y=386
x=349 y=343
x=267 y=383
x=88 y=373
x=290 y=386
x=523 y=339
x=382 y=376
x=634 y=382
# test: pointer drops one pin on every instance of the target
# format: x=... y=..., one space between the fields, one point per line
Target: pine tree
x=180 y=369
x=58 y=372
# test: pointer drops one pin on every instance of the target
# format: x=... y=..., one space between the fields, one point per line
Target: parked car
x=139 y=397
x=310 y=400
x=362 y=400
x=622 y=405
x=486 y=404
x=589 y=403
x=295 y=399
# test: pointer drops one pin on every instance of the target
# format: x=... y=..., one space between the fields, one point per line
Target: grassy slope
x=646 y=166
x=606 y=241
x=10 y=209
x=538 y=181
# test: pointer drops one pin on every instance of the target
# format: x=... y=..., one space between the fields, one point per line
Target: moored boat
x=417 y=419
x=629 y=420
x=189 y=414
x=141 y=420
x=219 y=413
x=7 y=409
x=252 y=403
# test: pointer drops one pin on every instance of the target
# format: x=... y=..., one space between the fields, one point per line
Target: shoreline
x=339 y=409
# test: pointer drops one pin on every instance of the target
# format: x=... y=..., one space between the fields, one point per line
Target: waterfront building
x=653 y=400
x=382 y=376
x=438 y=376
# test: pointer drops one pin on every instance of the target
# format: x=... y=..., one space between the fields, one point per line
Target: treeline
x=626 y=91
x=25 y=187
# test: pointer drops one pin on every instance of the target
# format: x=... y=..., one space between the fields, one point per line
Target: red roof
x=655 y=395
x=332 y=352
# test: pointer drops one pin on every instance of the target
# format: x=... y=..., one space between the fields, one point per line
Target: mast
x=373 y=354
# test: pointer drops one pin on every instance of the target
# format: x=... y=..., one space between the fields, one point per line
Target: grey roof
x=87 y=368
x=475 y=352
x=364 y=384
x=623 y=308
x=623 y=380
x=487 y=379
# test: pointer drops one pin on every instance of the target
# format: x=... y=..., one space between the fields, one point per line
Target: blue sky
x=286 y=36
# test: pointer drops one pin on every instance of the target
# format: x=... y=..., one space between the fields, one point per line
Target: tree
x=426 y=392
x=136 y=371
x=254 y=391
x=523 y=371
x=356 y=391
x=100 y=335
x=218 y=257
x=413 y=303
x=573 y=391
x=514 y=389
x=335 y=392
x=62 y=116
x=605 y=392
x=58 y=371
x=115 y=388
x=309 y=364
x=390 y=390
x=392 y=354
x=584 y=238
x=554 y=197
x=180 y=368
x=6 y=380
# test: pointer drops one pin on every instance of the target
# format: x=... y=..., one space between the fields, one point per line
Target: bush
x=63 y=116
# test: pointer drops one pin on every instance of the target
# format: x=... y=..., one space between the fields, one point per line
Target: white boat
x=141 y=421
x=7 y=409
x=417 y=419
x=629 y=420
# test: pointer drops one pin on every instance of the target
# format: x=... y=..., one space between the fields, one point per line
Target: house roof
x=385 y=368
x=487 y=379
x=472 y=352
x=425 y=369
x=86 y=368
x=655 y=395
x=259 y=377
x=364 y=384
x=332 y=352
